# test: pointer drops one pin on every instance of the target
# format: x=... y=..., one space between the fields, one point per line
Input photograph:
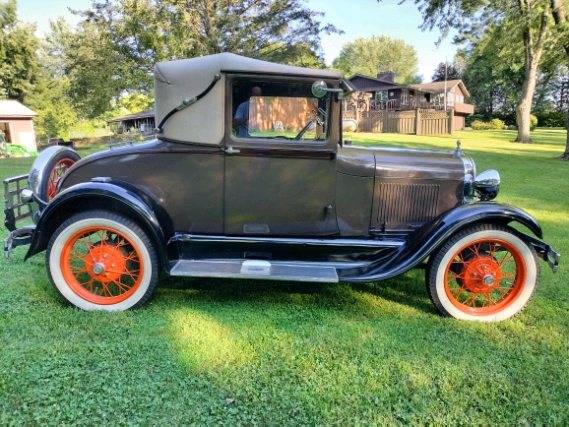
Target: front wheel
x=99 y=260
x=484 y=273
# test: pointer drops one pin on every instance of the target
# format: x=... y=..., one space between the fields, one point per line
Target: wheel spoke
x=485 y=275
x=102 y=264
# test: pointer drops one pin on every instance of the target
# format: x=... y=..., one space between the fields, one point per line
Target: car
x=249 y=178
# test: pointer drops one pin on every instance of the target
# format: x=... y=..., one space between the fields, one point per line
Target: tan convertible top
x=203 y=122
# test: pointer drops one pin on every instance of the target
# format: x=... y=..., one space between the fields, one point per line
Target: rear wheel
x=484 y=273
x=102 y=261
x=55 y=169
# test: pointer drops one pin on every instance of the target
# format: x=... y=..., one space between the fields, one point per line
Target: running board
x=256 y=269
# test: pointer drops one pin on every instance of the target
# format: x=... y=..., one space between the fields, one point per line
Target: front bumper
x=544 y=251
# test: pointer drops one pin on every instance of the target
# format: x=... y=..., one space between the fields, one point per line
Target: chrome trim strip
x=356 y=243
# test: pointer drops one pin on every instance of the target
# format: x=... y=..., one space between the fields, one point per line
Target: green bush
x=479 y=125
x=551 y=118
x=497 y=124
x=533 y=122
x=16 y=150
x=89 y=128
x=494 y=124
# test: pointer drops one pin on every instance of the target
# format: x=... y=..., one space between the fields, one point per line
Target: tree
x=18 y=60
x=561 y=19
x=447 y=71
x=494 y=73
x=522 y=22
x=370 y=56
x=94 y=69
x=56 y=112
x=118 y=42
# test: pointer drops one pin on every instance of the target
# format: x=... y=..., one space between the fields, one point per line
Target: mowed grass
x=233 y=352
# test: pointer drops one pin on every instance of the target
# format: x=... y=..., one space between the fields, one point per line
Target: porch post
x=418 y=121
x=450 y=120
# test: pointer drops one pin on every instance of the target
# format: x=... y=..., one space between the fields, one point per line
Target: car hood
x=404 y=163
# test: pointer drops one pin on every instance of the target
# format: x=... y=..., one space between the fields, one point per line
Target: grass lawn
x=220 y=351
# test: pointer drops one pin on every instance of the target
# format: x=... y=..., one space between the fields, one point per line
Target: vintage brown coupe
x=249 y=177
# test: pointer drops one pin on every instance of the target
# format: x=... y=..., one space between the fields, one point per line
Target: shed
x=17 y=125
x=142 y=122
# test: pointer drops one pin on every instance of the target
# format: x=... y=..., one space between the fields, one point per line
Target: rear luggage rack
x=14 y=208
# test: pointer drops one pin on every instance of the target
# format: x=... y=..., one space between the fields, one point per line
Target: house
x=142 y=122
x=456 y=98
x=17 y=125
x=383 y=93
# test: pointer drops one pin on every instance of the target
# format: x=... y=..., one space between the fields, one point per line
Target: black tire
x=475 y=287
x=122 y=238
x=66 y=157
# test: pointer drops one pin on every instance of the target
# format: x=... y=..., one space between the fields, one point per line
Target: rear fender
x=107 y=194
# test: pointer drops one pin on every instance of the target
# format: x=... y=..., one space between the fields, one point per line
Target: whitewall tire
x=99 y=260
x=484 y=273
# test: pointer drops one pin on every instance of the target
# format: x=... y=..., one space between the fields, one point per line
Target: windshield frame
x=230 y=139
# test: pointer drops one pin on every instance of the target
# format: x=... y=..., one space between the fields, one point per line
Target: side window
x=278 y=110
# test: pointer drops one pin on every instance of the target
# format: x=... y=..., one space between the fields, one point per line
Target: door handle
x=232 y=150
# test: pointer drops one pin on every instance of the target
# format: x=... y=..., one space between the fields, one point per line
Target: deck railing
x=417 y=121
x=411 y=104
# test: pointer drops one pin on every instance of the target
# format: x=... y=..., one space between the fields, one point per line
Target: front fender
x=103 y=194
x=422 y=243
x=491 y=212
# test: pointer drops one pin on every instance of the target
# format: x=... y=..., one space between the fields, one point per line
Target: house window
x=278 y=110
x=381 y=95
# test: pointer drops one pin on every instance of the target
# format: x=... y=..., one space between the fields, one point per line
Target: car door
x=279 y=158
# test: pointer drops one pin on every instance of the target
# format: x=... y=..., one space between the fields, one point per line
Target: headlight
x=487 y=184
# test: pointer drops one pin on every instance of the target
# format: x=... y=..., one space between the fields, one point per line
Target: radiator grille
x=400 y=204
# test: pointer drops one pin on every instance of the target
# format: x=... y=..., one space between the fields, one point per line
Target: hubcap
x=98 y=268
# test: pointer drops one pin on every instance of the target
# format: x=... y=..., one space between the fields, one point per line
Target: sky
x=357 y=18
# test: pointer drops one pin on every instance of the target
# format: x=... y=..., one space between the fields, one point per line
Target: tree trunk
x=560 y=18
x=523 y=109
x=565 y=155
x=533 y=51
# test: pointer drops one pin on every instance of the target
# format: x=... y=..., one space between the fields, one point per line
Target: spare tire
x=48 y=169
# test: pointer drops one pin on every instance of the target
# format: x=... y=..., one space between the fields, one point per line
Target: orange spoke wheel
x=102 y=265
x=56 y=174
x=484 y=276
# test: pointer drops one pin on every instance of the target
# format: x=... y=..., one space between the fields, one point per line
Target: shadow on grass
x=408 y=290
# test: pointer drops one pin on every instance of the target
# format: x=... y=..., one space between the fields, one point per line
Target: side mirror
x=320 y=89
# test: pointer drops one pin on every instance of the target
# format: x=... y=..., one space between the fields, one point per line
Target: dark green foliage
x=450 y=71
x=551 y=118
x=18 y=60
x=117 y=43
